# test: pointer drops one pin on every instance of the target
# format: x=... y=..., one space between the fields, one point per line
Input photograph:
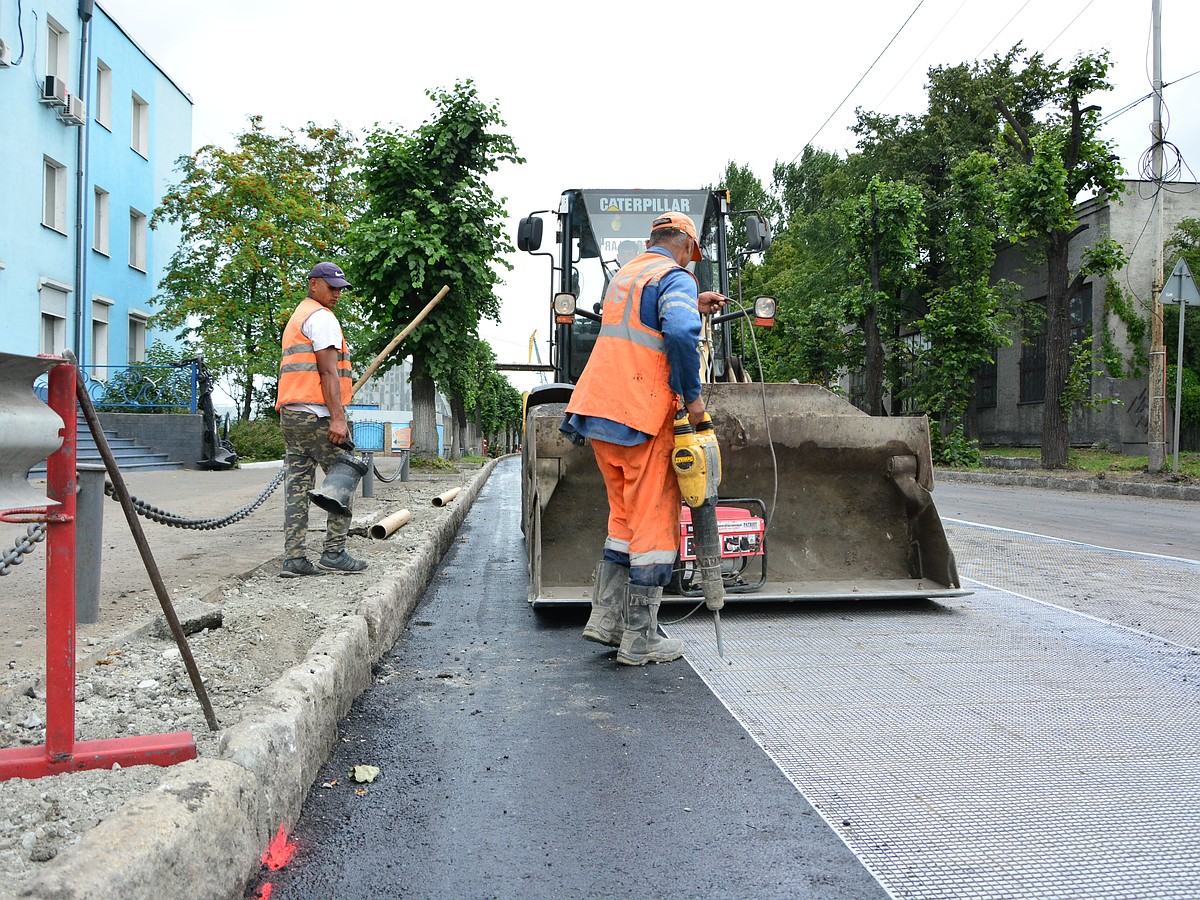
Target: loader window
x=583 y=338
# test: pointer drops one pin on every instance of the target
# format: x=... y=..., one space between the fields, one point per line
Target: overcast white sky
x=564 y=75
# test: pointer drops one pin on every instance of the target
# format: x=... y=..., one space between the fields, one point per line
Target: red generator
x=741 y=523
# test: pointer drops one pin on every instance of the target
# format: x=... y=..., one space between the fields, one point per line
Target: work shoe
x=340 y=562
x=641 y=642
x=298 y=567
x=606 y=624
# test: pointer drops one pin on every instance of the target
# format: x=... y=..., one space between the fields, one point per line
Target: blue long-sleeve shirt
x=671 y=308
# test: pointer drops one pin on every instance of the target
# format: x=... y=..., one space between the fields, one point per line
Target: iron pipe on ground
x=388 y=524
x=442 y=499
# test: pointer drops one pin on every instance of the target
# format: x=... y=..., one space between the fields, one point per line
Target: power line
x=921 y=55
x=860 y=80
x=1002 y=29
x=1068 y=25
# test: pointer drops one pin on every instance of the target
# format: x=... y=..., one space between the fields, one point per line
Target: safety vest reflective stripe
x=624 y=332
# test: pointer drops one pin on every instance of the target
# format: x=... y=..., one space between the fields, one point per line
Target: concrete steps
x=130 y=456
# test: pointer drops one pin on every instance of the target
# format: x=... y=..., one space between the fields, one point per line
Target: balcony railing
x=139 y=387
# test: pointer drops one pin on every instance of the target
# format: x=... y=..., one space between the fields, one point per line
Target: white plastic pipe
x=388 y=524
x=442 y=499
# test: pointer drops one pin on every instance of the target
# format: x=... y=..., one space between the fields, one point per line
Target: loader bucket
x=847 y=496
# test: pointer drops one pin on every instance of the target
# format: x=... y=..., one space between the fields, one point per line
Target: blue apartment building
x=91 y=131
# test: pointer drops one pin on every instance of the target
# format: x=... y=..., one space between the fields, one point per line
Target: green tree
x=1184 y=243
x=254 y=220
x=968 y=318
x=1050 y=164
x=881 y=227
x=432 y=219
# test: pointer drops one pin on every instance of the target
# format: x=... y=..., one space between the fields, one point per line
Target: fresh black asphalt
x=519 y=761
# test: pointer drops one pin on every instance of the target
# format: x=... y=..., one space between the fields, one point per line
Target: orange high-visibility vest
x=299 y=379
x=626 y=379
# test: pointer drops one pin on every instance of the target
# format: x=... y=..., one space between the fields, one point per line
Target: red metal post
x=60 y=577
x=61 y=753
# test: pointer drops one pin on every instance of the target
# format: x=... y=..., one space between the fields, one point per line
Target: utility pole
x=1157 y=424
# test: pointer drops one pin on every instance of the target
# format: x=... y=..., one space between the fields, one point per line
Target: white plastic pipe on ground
x=442 y=499
x=388 y=524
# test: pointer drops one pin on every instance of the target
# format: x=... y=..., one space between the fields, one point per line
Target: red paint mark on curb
x=279 y=852
x=264 y=892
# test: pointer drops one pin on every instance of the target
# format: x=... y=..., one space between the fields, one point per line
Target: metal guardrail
x=139 y=387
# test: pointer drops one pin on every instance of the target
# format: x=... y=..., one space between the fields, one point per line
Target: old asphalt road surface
x=518 y=760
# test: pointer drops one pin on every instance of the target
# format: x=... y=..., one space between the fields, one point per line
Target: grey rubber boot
x=606 y=624
x=641 y=642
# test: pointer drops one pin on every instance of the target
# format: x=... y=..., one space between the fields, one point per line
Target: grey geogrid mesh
x=989 y=746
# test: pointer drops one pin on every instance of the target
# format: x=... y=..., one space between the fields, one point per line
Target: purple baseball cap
x=332 y=273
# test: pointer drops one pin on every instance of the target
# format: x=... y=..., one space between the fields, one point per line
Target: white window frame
x=101 y=223
x=103 y=113
x=139 y=126
x=54 y=195
x=137 y=338
x=137 y=239
x=53 y=302
x=101 y=312
x=57 y=49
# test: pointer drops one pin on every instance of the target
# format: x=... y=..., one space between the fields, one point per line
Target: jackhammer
x=697 y=463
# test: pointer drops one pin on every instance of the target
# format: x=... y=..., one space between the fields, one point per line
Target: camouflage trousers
x=306 y=437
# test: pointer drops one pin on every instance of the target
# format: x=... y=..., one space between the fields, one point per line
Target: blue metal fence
x=368 y=436
x=139 y=387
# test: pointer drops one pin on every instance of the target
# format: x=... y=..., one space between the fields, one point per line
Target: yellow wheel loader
x=818 y=500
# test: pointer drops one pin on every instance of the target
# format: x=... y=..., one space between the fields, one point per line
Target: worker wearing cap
x=645 y=364
x=314 y=390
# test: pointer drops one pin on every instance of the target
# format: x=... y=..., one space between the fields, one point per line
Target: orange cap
x=683 y=223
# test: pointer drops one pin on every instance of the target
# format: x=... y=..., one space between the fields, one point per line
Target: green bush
x=426 y=462
x=954 y=449
x=257 y=439
x=1189 y=407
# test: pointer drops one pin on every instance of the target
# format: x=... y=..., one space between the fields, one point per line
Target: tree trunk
x=424 y=412
x=874 y=346
x=1055 y=440
x=458 y=415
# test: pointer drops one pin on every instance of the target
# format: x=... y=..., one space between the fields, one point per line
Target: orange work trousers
x=643 y=503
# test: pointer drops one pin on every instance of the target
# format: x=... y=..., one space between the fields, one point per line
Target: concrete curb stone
x=202 y=833
x=1085 y=485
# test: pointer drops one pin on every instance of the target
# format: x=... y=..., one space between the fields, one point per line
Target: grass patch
x=1097 y=461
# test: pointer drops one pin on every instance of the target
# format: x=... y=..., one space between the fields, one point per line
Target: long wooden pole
x=395 y=342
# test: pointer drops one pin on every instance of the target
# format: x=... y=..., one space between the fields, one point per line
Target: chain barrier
x=399 y=471
x=34 y=534
x=154 y=514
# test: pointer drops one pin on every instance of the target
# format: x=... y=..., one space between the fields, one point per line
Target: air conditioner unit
x=54 y=91
x=73 y=113
x=5 y=54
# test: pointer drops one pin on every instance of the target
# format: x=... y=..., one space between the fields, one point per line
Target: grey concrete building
x=1010 y=394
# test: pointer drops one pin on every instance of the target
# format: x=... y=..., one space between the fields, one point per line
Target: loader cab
x=600 y=230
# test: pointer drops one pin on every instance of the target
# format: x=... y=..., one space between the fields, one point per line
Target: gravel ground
x=135 y=683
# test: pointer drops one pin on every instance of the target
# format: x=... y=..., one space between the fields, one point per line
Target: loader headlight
x=564 y=308
x=764 y=311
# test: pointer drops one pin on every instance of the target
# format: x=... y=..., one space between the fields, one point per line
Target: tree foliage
x=881 y=226
x=254 y=221
x=967 y=316
x=1049 y=163
x=431 y=218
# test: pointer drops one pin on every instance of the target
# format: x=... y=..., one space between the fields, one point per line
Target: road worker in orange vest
x=644 y=366
x=314 y=390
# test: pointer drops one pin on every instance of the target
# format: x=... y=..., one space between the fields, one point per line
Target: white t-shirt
x=323 y=329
